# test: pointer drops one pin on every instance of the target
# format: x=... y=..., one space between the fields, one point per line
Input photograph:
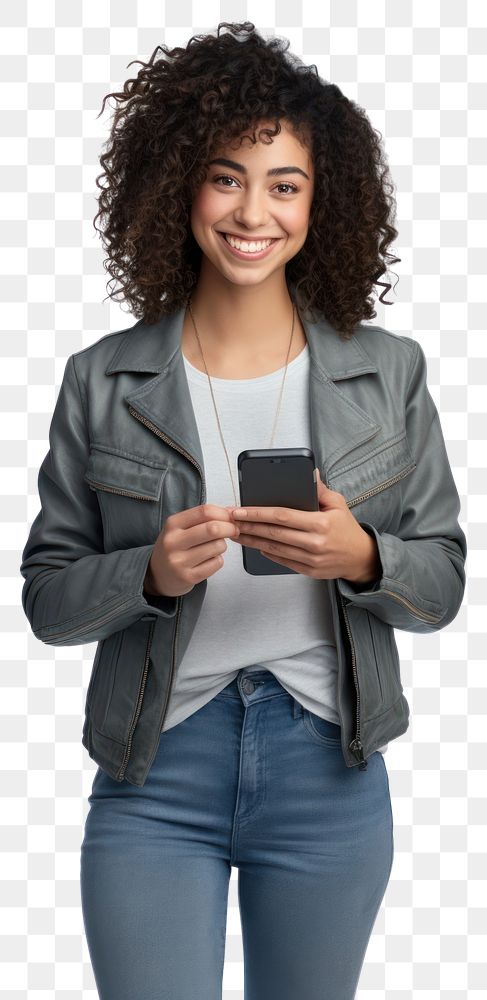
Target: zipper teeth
x=139 y=702
x=94 y=623
x=355 y=742
x=182 y=451
x=113 y=489
x=164 y=437
x=382 y=486
x=423 y=615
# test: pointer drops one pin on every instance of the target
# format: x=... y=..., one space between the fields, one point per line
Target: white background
x=418 y=68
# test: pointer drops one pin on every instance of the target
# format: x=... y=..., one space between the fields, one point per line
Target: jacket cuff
x=167 y=606
x=390 y=598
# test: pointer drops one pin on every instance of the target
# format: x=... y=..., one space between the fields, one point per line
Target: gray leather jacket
x=125 y=454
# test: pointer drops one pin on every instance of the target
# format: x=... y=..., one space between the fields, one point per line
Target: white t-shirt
x=284 y=622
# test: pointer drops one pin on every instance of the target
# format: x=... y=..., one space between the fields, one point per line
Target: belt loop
x=297 y=709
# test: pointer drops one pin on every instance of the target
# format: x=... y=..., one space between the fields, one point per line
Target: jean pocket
x=321 y=731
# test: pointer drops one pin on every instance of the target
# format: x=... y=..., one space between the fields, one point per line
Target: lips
x=250 y=239
x=245 y=255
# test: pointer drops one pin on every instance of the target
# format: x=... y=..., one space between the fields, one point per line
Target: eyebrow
x=270 y=173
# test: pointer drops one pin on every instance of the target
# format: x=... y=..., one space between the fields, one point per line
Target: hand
x=324 y=544
x=189 y=549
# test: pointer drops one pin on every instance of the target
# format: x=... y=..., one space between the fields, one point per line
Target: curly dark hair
x=182 y=107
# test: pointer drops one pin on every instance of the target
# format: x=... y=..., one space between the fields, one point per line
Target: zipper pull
x=358 y=751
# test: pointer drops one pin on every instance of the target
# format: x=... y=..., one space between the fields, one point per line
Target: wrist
x=371 y=567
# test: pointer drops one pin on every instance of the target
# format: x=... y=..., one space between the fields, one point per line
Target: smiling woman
x=324 y=191
x=241 y=720
x=249 y=229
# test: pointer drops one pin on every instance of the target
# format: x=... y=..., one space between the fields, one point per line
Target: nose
x=252 y=216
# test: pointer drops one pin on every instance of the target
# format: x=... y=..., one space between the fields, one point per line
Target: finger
x=278 y=534
x=286 y=552
x=202 y=513
x=302 y=519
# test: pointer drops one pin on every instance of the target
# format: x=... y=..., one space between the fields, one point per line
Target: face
x=243 y=200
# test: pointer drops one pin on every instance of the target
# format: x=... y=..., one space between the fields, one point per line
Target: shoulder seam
x=81 y=396
x=414 y=357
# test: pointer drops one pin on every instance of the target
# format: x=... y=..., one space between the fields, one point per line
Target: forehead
x=269 y=147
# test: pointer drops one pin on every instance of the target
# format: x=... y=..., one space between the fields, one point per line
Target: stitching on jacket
x=372 y=718
x=415 y=355
x=107 y=605
x=389 y=443
x=119 y=452
x=83 y=404
x=104 y=736
x=413 y=598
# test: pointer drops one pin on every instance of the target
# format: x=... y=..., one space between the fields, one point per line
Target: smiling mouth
x=249 y=254
x=249 y=239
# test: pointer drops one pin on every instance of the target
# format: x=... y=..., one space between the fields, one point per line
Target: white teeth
x=247 y=247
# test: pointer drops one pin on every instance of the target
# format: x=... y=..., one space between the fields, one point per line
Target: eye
x=223 y=177
x=287 y=185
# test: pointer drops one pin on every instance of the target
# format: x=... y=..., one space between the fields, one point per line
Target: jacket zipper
x=164 y=437
x=113 y=489
x=148 y=423
x=356 y=745
x=417 y=612
x=382 y=486
x=140 y=699
x=95 y=623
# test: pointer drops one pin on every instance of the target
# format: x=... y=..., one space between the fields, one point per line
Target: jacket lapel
x=338 y=425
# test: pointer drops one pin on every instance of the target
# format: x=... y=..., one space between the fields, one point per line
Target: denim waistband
x=257 y=685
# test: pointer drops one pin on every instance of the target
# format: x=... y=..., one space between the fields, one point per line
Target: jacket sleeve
x=423 y=565
x=74 y=592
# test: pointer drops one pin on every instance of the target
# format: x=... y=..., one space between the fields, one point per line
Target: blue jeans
x=255 y=781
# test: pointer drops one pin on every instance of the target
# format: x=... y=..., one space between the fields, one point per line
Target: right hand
x=189 y=549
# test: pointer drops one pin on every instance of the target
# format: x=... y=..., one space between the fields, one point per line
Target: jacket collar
x=152 y=348
x=338 y=425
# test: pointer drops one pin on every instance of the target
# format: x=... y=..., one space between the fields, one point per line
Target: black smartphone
x=275 y=477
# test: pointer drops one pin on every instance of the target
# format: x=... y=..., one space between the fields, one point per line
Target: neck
x=243 y=321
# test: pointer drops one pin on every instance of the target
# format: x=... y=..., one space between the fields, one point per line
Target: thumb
x=326 y=497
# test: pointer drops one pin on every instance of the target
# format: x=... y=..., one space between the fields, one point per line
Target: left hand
x=324 y=544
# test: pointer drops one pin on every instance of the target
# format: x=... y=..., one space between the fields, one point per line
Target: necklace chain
x=213 y=398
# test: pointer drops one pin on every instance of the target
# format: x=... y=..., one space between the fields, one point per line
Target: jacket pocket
x=376 y=656
x=103 y=679
x=130 y=495
x=387 y=662
x=117 y=699
x=372 y=485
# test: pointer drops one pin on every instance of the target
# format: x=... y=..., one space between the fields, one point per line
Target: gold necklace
x=213 y=398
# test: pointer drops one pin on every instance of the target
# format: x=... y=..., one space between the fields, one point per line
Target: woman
x=235 y=719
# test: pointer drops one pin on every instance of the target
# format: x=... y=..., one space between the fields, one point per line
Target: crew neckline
x=199 y=376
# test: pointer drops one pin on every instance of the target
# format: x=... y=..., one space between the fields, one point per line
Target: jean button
x=248 y=687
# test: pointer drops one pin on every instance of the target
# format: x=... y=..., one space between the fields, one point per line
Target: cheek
x=297 y=221
x=205 y=208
